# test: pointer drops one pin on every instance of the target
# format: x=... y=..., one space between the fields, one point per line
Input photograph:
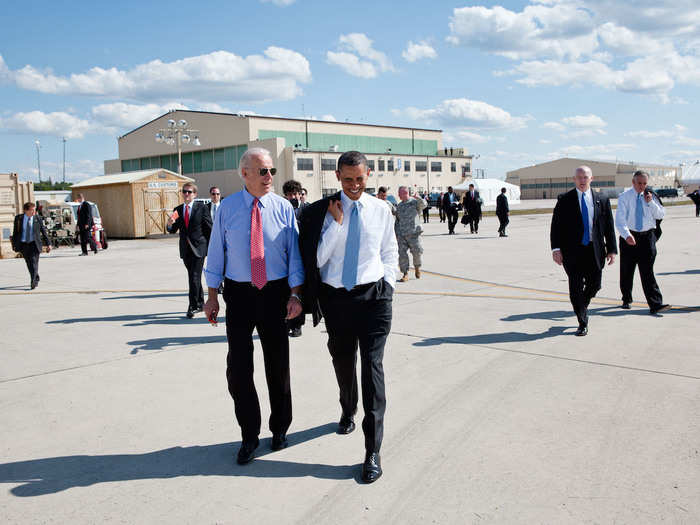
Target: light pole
x=64 y=160
x=38 y=158
x=177 y=134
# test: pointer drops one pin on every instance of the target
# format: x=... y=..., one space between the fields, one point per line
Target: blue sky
x=516 y=83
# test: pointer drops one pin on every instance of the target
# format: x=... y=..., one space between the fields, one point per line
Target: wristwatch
x=296 y=296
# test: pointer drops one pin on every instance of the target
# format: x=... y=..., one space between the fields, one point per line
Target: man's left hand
x=611 y=258
x=293 y=308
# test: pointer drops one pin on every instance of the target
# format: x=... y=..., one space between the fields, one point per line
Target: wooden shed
x=135 y=204
x=13 y=194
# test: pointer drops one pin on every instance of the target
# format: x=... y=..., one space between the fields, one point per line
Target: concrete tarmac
x=114 y=406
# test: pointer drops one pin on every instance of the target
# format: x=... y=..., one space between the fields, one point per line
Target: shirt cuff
x=556 y=250
x=213 y=280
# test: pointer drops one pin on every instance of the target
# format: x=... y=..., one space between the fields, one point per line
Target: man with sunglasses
x=193 y=221
x=254 y=249
x=213 y=205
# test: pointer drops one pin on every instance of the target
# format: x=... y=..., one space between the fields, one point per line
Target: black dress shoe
x=625 y=305
x=372 y=467
x=346 y=425
x=279 y=441
x=582 y=330
x=190 y=313
x=33 y=285
x=659 y=309
x=295 y=332
x=247 y=451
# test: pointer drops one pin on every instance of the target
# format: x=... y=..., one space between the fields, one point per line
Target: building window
x=305 y=164
x=436 y=166
x=219 y=160
x=380 y=165
x=407 y=165
x=421 y=165
x=328 y=164
x=390 y=165
x=453 y=167
x=467 y=168
x=370 y=164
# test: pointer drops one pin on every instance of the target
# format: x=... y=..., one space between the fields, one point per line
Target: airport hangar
x=304 y=150
x=549 y=179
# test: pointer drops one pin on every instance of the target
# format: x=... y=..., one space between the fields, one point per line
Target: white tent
x=489 y=189
x=690 y=175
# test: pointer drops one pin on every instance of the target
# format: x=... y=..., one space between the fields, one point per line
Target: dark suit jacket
x=194 y=238
x=446 y=204
x=567 y=227
x=502 y=204
x=310 y=225
x=85 y=215
x=472 y=206
x=39 y=232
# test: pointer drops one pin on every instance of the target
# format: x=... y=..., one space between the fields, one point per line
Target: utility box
x=13 y=194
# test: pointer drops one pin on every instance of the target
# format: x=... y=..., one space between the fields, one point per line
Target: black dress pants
x=360 y=317
x=502 y=222
x=194 y=267
x=474 y=223
x=442 y=214
x=584 y=279
x=248 y=308
x=426 y=214
x=85 y=238
x=31 y=258
x=643 y=254
x=452 y=217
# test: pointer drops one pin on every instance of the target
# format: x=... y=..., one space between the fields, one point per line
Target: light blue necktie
x=28 y=232
x=586 y=226
x=352 y=250
x=639 y=214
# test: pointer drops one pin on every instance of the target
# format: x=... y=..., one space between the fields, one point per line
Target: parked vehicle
x=61 y=218
x=668 y=192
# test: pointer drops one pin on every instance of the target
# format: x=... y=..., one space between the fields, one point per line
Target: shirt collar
x=248 y=198
x=588 y=193
x=348 y=202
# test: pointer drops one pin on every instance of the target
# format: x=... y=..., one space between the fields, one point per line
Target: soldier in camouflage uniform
x=408 y=231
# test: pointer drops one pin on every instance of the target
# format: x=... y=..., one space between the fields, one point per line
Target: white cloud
x=560 y=30
x=351 y=64
x=556 y=126
x=464 y=137
x=353 y=46
x=595 y=151
x=281 y=3
x=58 y=124
x=644 y=134
x=646 y=47
x=585 y=121
x=275 y=75
x=120 y=115
x=415 y=52
x=462 y=112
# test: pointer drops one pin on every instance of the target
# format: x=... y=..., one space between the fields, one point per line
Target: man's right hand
x=335 y=208
x=211 y=307
x=630 y=240
x=558 y=258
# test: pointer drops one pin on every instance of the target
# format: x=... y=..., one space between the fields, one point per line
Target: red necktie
x=258 y=275
x=187 y=216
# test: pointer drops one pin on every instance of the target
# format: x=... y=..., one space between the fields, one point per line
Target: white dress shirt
x=626 y=215
x=214 y=208
x=589 y=206
x=379 y=255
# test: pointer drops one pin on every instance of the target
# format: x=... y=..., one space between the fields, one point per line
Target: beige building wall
x=553 y=178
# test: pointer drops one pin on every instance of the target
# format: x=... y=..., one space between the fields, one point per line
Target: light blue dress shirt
x=27 y=229
x=229 y=245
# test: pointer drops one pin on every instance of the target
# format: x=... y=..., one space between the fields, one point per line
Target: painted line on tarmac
x=492 y=284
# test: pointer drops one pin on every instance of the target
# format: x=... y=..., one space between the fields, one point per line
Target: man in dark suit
x=27 y=236
x=582 y=236
x=213 y=205
x=349 y=251
x=695 y=197
x=502 y=210
x=449 y=205
x=472 y=208
x=85 y=224
x=193 y=220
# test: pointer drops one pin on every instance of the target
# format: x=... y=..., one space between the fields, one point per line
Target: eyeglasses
x=187 y=191
x=215 y=194
x=263 y=171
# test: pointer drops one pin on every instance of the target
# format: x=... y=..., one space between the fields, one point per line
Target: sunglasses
x=216 y=194
x=263 y=171
x=187 y=191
